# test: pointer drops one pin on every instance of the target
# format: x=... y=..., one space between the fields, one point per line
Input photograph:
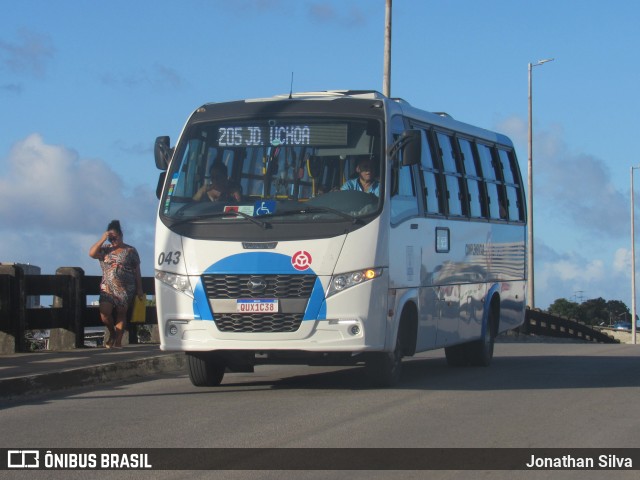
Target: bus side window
x=432 y=193
x=505 y=162
x=431 y=177
x=475 y=199
x=404 y=202
x=495 y=208
x=447 y=153
x=468 y=159
x=476 y=203
x=455 y=192
x=514 y=204
x=486 y=161
x=454 y=195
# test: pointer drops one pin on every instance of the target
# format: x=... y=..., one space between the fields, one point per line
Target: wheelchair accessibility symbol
x=264 y=208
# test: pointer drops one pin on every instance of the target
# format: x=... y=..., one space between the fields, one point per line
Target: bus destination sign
x=317 y=135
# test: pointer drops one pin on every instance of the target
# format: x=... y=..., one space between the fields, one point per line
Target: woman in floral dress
x=121 y=281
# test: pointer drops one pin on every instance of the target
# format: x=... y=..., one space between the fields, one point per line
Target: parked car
x=622 y=326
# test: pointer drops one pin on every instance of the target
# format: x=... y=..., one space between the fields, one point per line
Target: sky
x=86 y=87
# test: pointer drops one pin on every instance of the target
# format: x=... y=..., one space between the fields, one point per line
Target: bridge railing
x=541 y=323
x=66 y=318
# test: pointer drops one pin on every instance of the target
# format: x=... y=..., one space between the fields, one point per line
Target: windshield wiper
x=310 y=209
x=260 y=223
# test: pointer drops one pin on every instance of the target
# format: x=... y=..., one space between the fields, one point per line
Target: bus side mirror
x=162 y=152
x=411 y=147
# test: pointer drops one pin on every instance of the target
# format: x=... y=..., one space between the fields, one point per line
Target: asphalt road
x=565 y=395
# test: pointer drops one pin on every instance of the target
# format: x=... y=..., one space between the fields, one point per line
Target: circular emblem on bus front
x=301 y=260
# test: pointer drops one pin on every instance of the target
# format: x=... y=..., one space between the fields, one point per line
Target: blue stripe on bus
x=200 y=298
x=317 y=307
x=259 y=263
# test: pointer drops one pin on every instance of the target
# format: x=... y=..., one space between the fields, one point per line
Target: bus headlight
x=175 y=281
x=346 y=280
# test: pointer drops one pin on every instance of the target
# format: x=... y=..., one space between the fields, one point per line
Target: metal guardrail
x=69 y=313
x=541 y=323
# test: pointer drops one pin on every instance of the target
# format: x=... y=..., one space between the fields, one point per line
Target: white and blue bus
x=264 y=256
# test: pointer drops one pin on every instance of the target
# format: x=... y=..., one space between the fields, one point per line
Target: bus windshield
x=282 y=169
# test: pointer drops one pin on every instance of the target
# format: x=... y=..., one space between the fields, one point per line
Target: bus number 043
x=169 y=258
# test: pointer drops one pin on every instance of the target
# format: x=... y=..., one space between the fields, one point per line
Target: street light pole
x=386 y=76
x=530 y=281
x=633 y=263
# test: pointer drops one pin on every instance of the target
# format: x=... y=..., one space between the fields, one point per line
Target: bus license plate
x=257 y=305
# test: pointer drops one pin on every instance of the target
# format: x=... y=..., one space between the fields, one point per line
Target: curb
x=93 y=375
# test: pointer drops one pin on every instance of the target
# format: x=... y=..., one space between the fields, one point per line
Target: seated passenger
x=234 y=191
x=218 y=188
x=365 y=181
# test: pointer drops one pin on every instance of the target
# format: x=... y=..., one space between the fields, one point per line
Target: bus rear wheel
x=478 y=353
x=205 y=369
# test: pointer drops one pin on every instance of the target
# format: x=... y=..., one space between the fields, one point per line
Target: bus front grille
x=275 y=286
x=291 y=291
x=258 y=323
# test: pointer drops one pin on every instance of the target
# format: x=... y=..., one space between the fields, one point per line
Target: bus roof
x=398 y=105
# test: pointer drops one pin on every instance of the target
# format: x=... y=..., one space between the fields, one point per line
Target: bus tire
x=481 y=351
x=478 y=353
x=457 y=355
x=384 y=369
x=205 y=370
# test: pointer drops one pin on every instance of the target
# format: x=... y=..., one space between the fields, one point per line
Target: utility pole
x=530 y=245
x=386 y=76
x=633 y=264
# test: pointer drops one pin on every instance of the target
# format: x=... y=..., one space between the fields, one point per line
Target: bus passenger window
x=507 y=172
x=468 y=159
x=494 y=202
x=516 y=213
x=447 y=152
x=486 y=162
x=432 y=193
x=454 y=195
x=427 y=157
x=475 y=203
x=404 y=202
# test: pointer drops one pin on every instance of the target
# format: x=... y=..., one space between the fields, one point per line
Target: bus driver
x=365 y=181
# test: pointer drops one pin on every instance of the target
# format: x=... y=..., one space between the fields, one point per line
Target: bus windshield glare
x=283 y=169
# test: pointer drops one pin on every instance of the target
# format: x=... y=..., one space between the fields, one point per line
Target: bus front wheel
x=205 y=369
x=385 y=368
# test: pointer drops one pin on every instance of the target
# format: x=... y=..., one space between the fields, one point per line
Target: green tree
x=594 y=311
x=618 y=311
x=564 y=308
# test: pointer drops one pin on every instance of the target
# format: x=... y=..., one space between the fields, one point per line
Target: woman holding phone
x=121 y=281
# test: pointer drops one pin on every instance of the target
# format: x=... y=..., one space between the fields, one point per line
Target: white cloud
x=622 y=261
x=564 y=274
x=55 y=204
x=572 y=187
x=582 y=220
